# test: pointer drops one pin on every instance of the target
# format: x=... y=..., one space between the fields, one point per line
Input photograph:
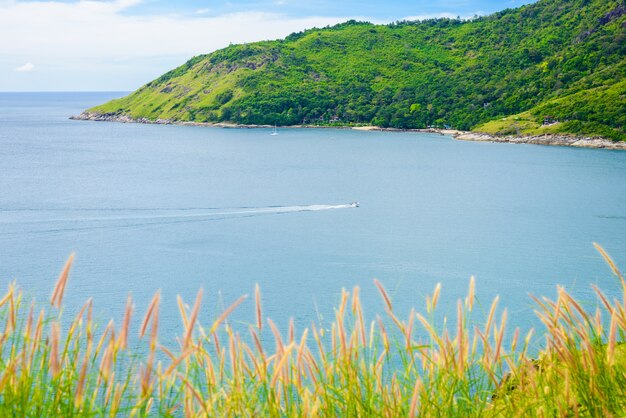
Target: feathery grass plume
x=415 y=397
x=460 y=338
x=59 y=288
x=106 y=363
x=183 y=311
x=389 y=306
x=53 y=357
x=257 y=300
x=463 y=369
x=152 y=316
x=292 y=331
x=409 y=330
x=301 y=347
x=257 y=342
x=192 y=319
x=280 y=364
x=492 y=312
x=384 y=294
x=29 y=321
x=357 y=310
x=232 y=353
x=610 y=350
x=10 y=324
x=79 y=317
x=383 y=333
x=194 y=392
x=176 y=361
x=146 y=380
x=8 y=374
x=471 y=294
x=611 y=263
x=515 y=339
x=499 y=335
x=431 y=331
x=280 y=346
x=154 y=332
x=107 y=330
x=431 y=302
x=149 y=312
x=227 y=312
x=8 y=295
x=122 y=341
x=80 y=385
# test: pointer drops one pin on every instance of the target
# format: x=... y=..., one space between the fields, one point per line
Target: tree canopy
x=555 y=60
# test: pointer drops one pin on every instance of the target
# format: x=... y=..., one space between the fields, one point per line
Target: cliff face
x=560 y=61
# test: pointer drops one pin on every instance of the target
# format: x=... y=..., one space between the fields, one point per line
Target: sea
x=179 y=208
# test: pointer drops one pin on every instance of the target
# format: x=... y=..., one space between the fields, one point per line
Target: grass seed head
x=59 y=288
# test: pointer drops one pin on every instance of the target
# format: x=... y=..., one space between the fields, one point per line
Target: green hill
x=555 y=60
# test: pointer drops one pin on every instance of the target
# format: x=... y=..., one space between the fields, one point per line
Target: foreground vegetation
x=355 y=368
x=556 y=60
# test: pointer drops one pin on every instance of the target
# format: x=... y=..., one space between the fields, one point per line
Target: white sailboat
x=274 y=132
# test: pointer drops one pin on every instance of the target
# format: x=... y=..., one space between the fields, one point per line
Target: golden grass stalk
x=384 y=295
x=59 y=288
x=151 y=308
x=435 y=298
x=227 y=312
x=415 y=397
x=257 y=300
x=463 y=368
x=192 y=320
x=611 y=263
x=123 y=337
x=8 y=295
x=471 y=294
x=55 y=331
x=183 y=311
x=280 y=346
x=610 y=350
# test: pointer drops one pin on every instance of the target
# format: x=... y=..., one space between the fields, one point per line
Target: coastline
x=562 y=140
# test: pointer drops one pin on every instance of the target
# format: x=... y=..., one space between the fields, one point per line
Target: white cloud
x=94 y=44
x=96 y=40
x=26 y=68
x=85 y=44
x=89 y=28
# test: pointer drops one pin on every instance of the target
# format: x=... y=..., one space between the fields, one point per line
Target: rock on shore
x=115 y=117
x=555 y=140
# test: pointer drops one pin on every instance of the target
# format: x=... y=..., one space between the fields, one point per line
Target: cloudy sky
x=119 y=45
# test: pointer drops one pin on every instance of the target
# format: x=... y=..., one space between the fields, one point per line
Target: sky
x=119 y=45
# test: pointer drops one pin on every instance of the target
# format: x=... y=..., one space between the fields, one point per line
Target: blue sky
x=379 y=10
x=99 y=45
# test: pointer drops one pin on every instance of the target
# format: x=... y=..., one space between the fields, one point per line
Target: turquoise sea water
x=177 y=208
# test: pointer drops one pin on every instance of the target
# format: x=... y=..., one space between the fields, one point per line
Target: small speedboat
x=354 y=204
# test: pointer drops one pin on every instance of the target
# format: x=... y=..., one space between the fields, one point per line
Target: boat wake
x=62 y=220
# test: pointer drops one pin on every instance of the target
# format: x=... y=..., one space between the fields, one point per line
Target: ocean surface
x=177 y=208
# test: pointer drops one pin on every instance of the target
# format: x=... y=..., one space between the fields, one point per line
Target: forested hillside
x=562 y=62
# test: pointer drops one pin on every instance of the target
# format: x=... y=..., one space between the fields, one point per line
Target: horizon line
x=64 y=91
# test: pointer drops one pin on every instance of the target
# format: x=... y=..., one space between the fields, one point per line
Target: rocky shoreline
x=547 y=139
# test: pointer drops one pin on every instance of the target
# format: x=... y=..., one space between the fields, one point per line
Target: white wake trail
x=166 y=214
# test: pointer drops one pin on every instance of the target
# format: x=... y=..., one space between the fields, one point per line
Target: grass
x=355 y=368
x=598 y=104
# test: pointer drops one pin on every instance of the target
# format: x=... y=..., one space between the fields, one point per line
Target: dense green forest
x=558 y=61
